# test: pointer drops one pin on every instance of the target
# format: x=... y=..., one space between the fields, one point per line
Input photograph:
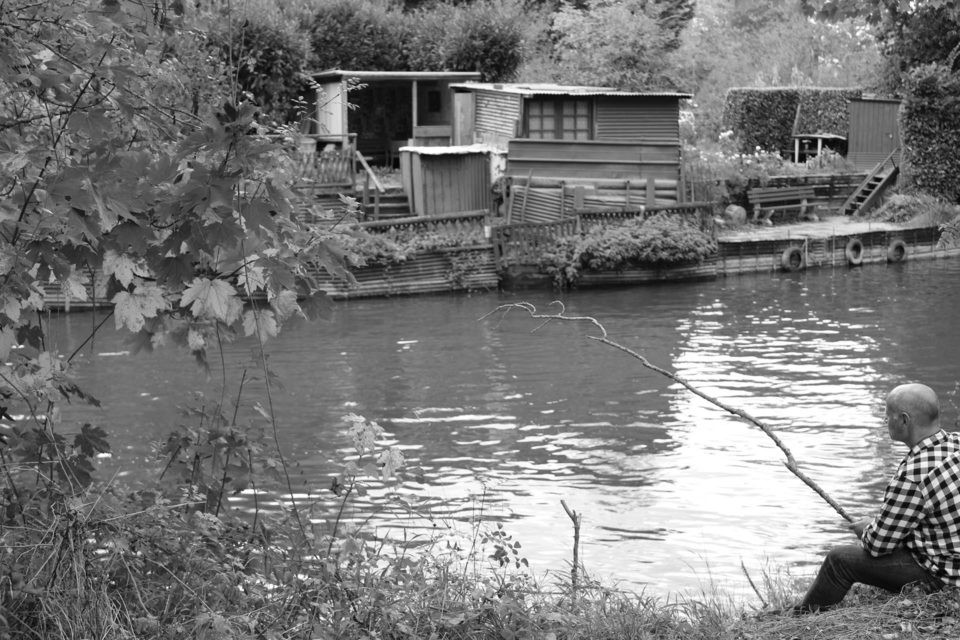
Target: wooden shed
x=381 y=111
x=574 y=131
x=442 y=180
x=874 y=131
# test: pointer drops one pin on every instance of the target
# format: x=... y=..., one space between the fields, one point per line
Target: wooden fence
x=539 y=199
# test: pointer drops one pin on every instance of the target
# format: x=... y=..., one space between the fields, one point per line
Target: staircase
x=868 y=194
x=391 y=203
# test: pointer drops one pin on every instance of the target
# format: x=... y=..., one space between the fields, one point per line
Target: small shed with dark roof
x=380 y=111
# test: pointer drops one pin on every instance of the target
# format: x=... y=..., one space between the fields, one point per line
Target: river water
x=675 y=494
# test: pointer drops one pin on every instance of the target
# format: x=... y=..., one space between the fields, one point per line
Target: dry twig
x=790 y=462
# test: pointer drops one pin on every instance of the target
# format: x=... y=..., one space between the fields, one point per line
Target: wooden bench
x=765 y=201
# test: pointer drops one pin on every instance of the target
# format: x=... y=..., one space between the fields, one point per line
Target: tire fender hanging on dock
x=896 y=250
x=792 y=259
x=854 y=252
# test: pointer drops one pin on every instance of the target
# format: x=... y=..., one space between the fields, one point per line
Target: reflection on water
x=674 y=492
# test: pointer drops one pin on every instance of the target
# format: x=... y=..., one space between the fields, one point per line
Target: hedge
x=765 y=116
x=930 y=158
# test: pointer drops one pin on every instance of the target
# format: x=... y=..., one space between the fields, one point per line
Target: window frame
x=561 y=109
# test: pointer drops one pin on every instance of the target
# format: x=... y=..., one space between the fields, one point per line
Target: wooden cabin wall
x=497 y=116
x=451 y=183
x=593 y=159
x=637 y=119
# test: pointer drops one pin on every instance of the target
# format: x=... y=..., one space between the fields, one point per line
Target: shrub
x=361 y=36
x=765 y=117
x=930 y=137
x=487 y=37
x=269 y=65
x=656 y=242
x=915 y=207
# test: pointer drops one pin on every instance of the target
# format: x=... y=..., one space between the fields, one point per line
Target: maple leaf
x=195 y=340
x=120 y=266
x=73 y=286
x=91 y=440
x=131 y=309
x=252 y=278
x=285 y=304
x=11 y=308
x=8 y=338
x=213 y=299
x=261 y=323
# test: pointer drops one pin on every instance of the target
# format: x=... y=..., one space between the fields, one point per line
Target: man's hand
x=858 y=526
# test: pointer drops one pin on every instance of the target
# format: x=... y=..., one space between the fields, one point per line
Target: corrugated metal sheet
x=638 y=119
x=496 y=113
x=544 y=204
x=874 y=132
x=551 y=89
x=468 y=269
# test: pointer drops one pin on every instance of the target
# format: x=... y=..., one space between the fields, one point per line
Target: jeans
x=847 y=564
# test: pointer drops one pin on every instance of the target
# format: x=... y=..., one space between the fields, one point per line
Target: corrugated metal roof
x=450 y=150
x=336 y=74
x=552 y=89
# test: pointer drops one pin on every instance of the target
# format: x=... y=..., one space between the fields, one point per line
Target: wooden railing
x=453 y=224
x=700 y=213
x=525 y=243
x=331 y=168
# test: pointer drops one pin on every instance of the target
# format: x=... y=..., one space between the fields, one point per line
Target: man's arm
x=901 y=511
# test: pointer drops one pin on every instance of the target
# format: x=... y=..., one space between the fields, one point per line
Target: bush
x=657 y=242
x=930 y=137
x=359 y=36
x=916 y=207
x=487 y=37
x=765 y=117
x=269 y=65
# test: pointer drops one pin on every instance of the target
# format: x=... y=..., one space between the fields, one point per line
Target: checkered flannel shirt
x=921 y=508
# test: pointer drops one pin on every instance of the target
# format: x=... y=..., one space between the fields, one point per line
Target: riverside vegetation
x=128 y=147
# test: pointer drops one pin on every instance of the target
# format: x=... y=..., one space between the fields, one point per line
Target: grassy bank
x=170 y=560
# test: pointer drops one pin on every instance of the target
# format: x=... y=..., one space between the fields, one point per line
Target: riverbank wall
x=834 y=242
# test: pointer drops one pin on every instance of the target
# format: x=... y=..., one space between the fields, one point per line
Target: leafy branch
x=790 y=462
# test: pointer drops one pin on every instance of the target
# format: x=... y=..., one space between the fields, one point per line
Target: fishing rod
x=790 y=462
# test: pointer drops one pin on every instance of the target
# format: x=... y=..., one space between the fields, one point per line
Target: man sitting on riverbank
x=915 y=538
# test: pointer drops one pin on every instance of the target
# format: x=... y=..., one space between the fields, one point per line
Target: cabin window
x=558 y=119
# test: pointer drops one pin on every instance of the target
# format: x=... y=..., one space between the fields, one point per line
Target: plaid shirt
x=921 y=508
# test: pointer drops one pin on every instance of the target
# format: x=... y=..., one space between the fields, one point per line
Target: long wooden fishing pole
x=790 y=462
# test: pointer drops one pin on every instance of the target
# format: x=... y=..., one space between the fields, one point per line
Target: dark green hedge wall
x=929 y=132
x=764 y=116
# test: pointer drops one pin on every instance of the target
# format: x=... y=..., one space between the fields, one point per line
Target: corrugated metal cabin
x=573 y=131
x=874 y=131
x=392 y=109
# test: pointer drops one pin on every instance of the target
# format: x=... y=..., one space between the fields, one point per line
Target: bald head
x=913 y=413
x=918 y=400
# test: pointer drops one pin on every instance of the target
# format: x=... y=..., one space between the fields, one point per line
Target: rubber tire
x=854 y=252
x=792 y=259
x=896 y=251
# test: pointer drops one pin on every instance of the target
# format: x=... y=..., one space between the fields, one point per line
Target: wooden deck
x=826 y=228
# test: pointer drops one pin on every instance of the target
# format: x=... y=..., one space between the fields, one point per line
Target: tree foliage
x=270 y=64
x=929 y=133
x=619 y=44
x=345 y=34
x=111 y=167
